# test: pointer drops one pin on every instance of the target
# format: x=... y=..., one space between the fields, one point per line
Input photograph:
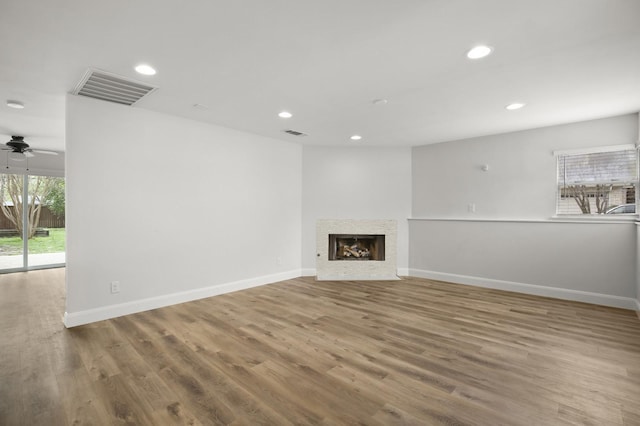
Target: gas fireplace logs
x=355 y=251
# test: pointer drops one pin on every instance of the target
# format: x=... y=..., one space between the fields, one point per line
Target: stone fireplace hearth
x=356 y=249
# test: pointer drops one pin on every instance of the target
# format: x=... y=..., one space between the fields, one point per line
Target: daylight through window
x=598 y=182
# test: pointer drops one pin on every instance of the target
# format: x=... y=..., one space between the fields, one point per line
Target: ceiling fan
x=18 y=145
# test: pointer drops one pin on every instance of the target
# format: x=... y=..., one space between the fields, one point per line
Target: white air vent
x=110 y=87
x=294 y=132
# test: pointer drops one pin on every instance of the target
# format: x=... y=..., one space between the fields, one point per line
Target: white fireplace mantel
x=330 y=270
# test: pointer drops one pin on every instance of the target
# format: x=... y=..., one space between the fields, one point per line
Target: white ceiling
x=326 y=61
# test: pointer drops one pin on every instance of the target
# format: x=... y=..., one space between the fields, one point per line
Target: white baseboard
x=73 y=319
x=403 y=272
x=309 y=272
x=538 y=290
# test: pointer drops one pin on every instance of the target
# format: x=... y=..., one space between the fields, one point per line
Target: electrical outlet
x=279 y=260
x=472 y=207
x=115 y=287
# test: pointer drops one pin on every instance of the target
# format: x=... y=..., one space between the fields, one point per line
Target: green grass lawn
x=54 y=243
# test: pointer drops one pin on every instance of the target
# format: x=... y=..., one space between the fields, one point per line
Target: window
x=598 y=181
x=32 y=224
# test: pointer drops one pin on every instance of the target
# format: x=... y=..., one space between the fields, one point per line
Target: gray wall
x=511 y=241
x=521 y=180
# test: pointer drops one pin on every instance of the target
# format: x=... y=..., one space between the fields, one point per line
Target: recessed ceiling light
x=15 y=104
x=379 y=101
x=479 y=52
x=285 y=114
x=145 y=69
x=355 y=137
x=514 y=106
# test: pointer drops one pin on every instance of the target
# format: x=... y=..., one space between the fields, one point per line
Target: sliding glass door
x=32 y=223
x=12 y=246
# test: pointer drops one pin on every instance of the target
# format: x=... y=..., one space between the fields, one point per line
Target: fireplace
x=356 y=247
x=352 y=249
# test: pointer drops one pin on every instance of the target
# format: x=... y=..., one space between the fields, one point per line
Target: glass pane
x=11 y=244
x=597 y=183
x=46 y=221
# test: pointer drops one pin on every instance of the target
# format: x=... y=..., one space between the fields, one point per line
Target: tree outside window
x=596 y=182
x=40 y=191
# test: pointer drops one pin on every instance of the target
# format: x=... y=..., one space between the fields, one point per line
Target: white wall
x=355 y=183
x=173 y=209
x=510 y=241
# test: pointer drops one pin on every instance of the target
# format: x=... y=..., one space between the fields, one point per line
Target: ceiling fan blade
x=40 y=151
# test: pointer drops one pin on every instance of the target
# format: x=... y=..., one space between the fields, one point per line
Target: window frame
x=558 y=154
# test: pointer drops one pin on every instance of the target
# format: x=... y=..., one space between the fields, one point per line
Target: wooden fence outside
x=47 y=220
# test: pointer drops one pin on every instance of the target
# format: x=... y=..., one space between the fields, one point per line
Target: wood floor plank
x=408 y=352
x=82 y=403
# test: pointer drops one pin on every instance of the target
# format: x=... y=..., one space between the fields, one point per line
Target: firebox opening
x=356 y=247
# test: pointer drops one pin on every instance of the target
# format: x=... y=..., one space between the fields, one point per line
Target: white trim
x=403 y=272
x=308 y=272
x=596 y=218
x=538 y=290
x=595 y=149
x=554 y=219
x=73 y=319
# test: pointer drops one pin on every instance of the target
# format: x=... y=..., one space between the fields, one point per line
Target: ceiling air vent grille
x=294 y=132
x=111 y=87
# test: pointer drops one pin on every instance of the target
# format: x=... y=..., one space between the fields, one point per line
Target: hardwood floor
x=411 y=352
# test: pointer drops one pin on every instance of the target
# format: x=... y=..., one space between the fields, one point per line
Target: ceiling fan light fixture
x=19 y=150
x=16 y=156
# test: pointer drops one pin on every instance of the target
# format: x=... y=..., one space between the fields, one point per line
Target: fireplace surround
x=349 y=249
